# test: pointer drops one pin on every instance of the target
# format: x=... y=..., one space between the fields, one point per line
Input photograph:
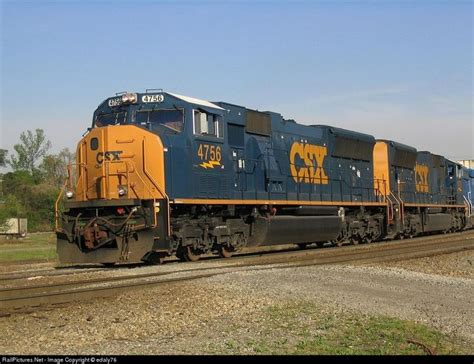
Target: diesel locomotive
x=161 y=174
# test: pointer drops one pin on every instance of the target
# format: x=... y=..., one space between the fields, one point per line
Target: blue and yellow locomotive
x=161 y=174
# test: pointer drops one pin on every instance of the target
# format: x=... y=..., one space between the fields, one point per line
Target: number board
x=153 y=98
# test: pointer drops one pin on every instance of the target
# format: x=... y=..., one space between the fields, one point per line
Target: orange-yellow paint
x=433 y=205
x=271 y=202
x=313 y=157
x=136 y=163
x=206 y=201
x=381 y=169
x=421 y=174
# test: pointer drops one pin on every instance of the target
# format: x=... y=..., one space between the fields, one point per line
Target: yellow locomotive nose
x=112 y=163
x=114 y=175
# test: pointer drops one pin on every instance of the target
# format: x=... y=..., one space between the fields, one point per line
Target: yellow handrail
x=56 y=205
x=107 y=176
x=61 y=192
x=150 y=177
x=128 y=168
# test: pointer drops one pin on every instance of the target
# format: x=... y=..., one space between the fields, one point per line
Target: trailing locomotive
x=160 y=174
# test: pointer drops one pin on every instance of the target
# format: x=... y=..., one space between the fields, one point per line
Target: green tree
x=54 y=167
x=3 y=156
x=11 y=207
x=40 y=200
x=32 y=188
x=15 y=182
x=25 y=197
x=30 y=150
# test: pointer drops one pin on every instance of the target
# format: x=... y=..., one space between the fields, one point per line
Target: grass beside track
x=302 y=329
x=35 y=247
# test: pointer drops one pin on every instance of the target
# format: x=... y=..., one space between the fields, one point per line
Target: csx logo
x=421 y=178
x=113 y=155
x=313 y=157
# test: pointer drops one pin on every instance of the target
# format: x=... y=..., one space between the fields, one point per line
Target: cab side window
x=451 y=171
x=207 y=124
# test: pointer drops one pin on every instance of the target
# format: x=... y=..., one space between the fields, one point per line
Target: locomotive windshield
x=110 y=119
x=172 y=119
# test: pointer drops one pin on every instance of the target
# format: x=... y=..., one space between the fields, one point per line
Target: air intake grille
x=258 y=123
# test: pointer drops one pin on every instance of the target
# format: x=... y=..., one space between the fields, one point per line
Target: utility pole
x=3 y=157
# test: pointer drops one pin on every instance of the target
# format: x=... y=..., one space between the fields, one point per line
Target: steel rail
x=47 y=272
x=418 y=241
x=53 y=294
x=246 y=253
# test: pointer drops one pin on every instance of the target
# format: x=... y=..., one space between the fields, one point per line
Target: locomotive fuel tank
x=437 y=222
x=296 y=229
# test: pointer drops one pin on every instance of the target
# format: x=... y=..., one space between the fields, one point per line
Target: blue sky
x=397 y=70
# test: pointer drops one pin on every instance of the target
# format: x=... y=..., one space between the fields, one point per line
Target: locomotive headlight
x=129 y=98
x=69 y=194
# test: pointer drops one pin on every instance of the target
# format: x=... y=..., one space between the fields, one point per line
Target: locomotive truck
x=161 y=174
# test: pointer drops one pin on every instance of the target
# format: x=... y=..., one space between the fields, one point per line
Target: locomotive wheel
x=368 y=239
x=225 y=252
x=155 y=258
x=187 y=254
x=108 y=265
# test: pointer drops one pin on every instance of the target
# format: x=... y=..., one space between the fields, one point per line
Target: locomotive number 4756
x=210 y=155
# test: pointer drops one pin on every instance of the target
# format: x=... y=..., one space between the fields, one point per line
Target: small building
x=468 y=163
x=14 y=228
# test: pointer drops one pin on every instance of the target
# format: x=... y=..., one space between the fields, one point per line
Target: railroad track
x=21 y=296
x=248 y=253
x=46 y=272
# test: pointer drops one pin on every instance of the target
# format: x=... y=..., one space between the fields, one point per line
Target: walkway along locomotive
x=160 y=174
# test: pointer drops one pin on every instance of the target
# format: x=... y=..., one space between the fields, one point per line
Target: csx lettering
x=313 y=157
x=421 y=178
x=113 y=155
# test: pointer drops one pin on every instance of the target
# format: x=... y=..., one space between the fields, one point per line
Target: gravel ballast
x=198 y=316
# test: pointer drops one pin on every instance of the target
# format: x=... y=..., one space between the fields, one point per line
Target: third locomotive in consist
x=160 y=174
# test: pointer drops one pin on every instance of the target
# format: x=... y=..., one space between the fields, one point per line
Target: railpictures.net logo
x=58 y=360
